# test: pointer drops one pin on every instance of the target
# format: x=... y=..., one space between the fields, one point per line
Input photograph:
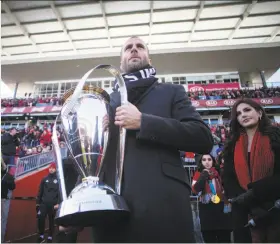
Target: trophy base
x=98 y=210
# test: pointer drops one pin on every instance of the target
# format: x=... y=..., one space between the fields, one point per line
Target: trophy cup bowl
x=91 y=202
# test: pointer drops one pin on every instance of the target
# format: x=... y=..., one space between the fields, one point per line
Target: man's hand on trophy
x=128 y=116
x=105 y=122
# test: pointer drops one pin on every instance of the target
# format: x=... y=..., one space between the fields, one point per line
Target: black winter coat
x=7 y=183
x=155 y=184
x=48 y=193
x=266 y=190
x=8 y=144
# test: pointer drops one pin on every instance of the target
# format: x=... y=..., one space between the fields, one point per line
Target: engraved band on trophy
x=91 y=202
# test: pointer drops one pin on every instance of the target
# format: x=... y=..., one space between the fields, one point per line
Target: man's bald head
x=134 y=55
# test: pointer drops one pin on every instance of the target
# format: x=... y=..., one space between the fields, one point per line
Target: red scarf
x=261 y=159
x=213 y=175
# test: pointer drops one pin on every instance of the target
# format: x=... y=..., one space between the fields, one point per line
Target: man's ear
x=150 y=62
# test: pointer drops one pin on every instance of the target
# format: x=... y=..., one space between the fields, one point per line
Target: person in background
x=214 y=208
x=47 y=203
x=7 y=184
x=34 y=150
x=9 y=142
x=217 y=140
x=251 y=174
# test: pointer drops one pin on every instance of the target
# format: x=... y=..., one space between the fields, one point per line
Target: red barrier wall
x=22 y=215
x=22 y=220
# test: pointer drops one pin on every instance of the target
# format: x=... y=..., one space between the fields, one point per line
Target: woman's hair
x=200 y=166
x=236 y=129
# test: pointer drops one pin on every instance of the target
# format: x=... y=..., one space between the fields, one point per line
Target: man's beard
x=135 y=66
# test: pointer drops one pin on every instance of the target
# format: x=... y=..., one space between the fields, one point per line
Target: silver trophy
x=81 y=123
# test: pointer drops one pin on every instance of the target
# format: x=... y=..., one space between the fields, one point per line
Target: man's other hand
x=128 y=116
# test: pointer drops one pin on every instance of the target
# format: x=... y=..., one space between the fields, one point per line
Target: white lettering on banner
x=196 y=88
x=56 y=108
x=229 y=102
x=37 y=109
x=267 y=101
x=20 y=110
x=211 y=103
x=195 y=103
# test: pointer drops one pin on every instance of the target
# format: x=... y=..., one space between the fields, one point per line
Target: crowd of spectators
x=235 y=94
x=30 y=102
x=27 y=101
x=34 y=139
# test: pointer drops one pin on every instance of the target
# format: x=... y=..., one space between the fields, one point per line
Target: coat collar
x=116 y=99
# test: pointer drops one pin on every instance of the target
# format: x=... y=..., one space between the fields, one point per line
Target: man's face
x=52 y=170
x=134 y=55
x=13 y=132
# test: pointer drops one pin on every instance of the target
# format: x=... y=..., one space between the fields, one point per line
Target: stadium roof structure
x=34 y=31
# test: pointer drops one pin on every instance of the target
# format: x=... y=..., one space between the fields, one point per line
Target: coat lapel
x=146 y=93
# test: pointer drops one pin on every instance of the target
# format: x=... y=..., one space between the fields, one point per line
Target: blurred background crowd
x=28 y=101
x=235 y=94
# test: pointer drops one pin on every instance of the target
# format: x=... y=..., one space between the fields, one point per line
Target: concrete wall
x=24 y=87
x=254 y=77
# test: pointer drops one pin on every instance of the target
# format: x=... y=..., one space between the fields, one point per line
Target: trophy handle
x=123 y=94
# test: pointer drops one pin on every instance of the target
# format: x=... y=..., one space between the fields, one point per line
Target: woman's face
x=247 y=116
x=207 y=161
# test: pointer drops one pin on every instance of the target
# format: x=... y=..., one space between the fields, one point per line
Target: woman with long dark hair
x=213 y=206
x=251 y=174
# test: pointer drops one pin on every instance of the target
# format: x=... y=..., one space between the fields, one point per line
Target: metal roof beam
x=273 y=35
x=69 y=4
x=243 y=17
x=151 y=22
x=19 y=25
x=58 y=16
x=106 y=23
x=198 y=13
x=4 y=52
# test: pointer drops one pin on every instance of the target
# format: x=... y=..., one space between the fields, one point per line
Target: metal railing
x=191 y=170
x=32 y=162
